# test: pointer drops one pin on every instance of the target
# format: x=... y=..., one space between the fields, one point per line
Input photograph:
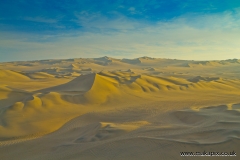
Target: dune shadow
x=208 y=125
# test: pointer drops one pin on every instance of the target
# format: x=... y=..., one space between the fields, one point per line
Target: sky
x=176 y=29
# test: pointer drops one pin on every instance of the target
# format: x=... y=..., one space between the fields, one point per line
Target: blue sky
x=182 y=29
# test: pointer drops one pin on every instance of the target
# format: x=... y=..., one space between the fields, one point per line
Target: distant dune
x=108 y=108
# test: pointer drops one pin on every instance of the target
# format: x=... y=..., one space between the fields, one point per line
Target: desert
x=111 y=108
x=119 y=80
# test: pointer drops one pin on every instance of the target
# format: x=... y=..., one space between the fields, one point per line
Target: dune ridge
x=9 y=75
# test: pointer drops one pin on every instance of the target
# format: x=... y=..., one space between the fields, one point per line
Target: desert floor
x=107 y=108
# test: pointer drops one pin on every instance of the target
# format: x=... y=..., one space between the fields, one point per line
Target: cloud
x=32 y=15
x=209 y=36
x=98 y=22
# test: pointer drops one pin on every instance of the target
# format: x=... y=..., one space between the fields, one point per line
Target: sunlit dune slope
x=36 y=115
x=8 y=75
x=81 y=83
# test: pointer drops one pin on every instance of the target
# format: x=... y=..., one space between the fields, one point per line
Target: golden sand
x=106 y=108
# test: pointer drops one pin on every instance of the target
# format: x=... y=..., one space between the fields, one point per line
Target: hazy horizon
x=115 y=58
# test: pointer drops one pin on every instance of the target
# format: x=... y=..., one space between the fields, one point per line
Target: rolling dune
x=108 y=108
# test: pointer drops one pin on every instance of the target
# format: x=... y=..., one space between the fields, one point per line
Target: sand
x=108 y=108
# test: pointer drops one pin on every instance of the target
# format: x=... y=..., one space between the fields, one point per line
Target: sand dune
x=8 y=75
x=108 y=108
x=38 y=75
x=214 y=63
x=81 y=83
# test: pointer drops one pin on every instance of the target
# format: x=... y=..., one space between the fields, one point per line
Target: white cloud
x=187 y=37
x=96 y=21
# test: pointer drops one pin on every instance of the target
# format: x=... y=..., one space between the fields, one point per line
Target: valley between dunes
x=107 y=108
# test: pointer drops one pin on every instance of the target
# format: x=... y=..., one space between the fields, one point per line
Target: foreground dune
x=106 y=108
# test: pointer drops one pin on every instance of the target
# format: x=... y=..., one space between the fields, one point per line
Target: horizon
x=118 y=59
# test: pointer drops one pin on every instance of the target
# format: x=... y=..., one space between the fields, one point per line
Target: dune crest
x=8 y=75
